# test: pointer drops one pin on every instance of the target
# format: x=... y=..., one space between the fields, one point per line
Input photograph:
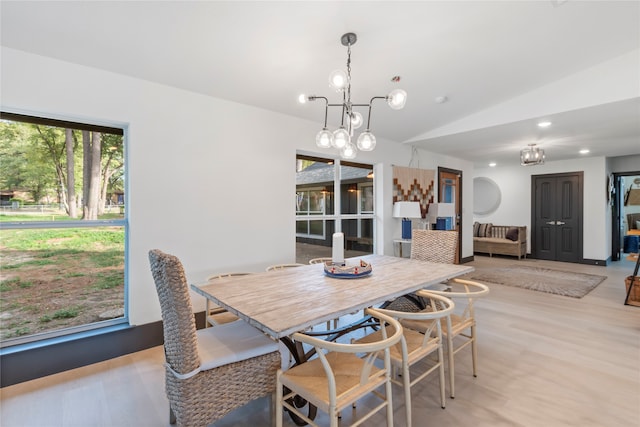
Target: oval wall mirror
x=486 y=196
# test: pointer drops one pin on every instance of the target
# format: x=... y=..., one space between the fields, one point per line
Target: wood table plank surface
x=294 y=299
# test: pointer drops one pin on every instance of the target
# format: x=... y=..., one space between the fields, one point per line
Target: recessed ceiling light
x=544 y=124
x=492 y=164
x=584 y=151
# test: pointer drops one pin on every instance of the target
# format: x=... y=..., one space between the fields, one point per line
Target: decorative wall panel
x=413 y=185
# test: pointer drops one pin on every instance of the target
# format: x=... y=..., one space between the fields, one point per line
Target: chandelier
x=341 y=138
x=532 y=156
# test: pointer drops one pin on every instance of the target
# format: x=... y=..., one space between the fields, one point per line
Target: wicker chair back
x=434 y=245
x=179 y=328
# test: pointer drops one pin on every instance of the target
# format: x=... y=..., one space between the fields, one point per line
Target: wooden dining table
x=282 y=302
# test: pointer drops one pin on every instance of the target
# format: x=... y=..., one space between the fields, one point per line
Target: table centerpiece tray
x=341 y=271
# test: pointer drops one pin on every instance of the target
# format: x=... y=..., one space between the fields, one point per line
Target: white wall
x=210 y=181
x=515 y=207
x=625 y=163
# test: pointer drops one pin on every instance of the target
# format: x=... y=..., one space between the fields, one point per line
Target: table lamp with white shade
x=406 y=211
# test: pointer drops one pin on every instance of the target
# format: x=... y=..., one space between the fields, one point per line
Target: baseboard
x=467 y=259
x=25 y=363
x=601 y=262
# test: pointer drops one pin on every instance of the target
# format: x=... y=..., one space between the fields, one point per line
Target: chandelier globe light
x=366 y=141
x=342 y=137
x=396 y=99
x=324 y=138
x=532 y=155
x=348 y=152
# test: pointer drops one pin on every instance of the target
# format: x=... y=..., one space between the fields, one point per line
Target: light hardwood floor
x=544 y=360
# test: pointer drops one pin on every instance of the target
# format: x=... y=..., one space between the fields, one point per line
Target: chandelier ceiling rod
x=341 y=137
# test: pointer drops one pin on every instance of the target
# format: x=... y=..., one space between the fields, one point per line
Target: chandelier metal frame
x=532 y=155
x=341 y=138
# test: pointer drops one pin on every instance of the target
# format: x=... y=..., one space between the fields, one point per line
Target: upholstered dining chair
x=276 y=267
x=460 y=324
x=438 y=246
x=416 y=346
x=209 y=372
x=217 y=315
x=341 y=374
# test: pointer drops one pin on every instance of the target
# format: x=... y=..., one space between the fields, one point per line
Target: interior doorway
x=556 y=216
x=624 y=209
x=450 y=191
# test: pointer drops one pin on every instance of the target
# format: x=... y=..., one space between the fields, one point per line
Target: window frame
x=86 y=125
x=306 y=215
x=338 y=217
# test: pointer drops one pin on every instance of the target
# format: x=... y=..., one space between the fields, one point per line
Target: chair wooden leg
x=441 y=376
x=474 y=351
x=451 y=363
x=389 y=402
x=406 y=381
x=279 y=407
x=452 y=390
x=172 y=416
x=333 y=415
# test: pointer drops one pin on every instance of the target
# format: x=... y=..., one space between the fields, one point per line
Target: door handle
x=559 y=223
x=551 y=222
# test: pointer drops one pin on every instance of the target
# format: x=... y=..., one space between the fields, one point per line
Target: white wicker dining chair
x=439 y=246
x=276 y=267
x=210 y=372
x=433 y=246
x=320 y=260
x=461 y=324
x=416 y=346
x=216 y=315
x=340 y=375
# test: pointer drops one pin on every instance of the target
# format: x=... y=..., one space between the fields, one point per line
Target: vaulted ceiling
x=502 y=66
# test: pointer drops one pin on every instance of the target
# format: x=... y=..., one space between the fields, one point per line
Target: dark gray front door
x=557 y=217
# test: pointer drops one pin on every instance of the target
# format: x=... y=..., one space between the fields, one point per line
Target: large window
x=62 y=227
x=327 y=186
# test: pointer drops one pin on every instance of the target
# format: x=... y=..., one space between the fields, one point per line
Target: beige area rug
x=540 y=279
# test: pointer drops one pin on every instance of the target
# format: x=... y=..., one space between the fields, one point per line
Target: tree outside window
x=62 y=227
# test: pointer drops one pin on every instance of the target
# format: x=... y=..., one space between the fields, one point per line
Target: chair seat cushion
x=495 y=240
x=231 y=342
